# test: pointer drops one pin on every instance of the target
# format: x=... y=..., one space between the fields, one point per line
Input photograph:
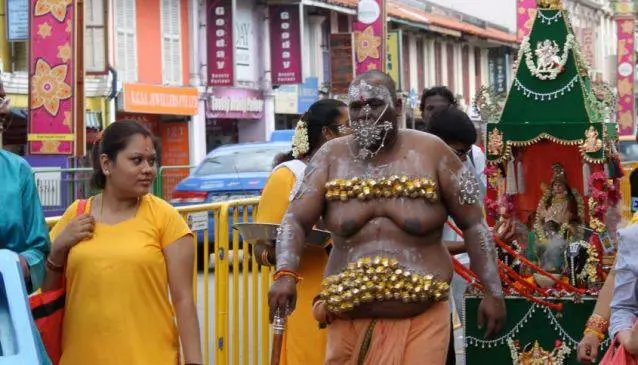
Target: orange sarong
x=391 y=341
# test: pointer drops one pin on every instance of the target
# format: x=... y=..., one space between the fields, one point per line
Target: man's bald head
x=375 y=79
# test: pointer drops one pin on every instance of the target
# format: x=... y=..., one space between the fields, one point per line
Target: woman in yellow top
x=304 y=341
x=120 y=260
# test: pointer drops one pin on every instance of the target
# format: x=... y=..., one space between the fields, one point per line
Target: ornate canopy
x=551 y=96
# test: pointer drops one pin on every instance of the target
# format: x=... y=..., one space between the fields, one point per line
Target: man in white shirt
x=456 y=129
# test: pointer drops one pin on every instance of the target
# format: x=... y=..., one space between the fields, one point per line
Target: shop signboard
x=626 y=64
x=341 y=62
x=497 y=69
x=393 y=64
x=285 y=44
x=525 y=15
x=308 y=94
x=164 y=100
x=221 y=64
x=244 y=33
x=17 y=20
x=175 y=152
x=52 y=74
x=234 y=103
x=370 y=36
x=287 y=99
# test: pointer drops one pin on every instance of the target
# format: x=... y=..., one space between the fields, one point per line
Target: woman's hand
x=79 y=229
x=588 y=349
x=629 y=340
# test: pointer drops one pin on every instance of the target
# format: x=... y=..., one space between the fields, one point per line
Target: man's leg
x=429 y=337
x=341 y=341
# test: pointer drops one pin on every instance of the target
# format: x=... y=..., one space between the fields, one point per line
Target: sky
x=501 y=12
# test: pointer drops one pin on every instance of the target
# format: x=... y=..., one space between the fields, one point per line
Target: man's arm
x=303 y=212
x=460 y=193
x=36 y=229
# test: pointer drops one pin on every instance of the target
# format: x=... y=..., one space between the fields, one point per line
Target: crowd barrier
x=233 y=311
x=58 y=188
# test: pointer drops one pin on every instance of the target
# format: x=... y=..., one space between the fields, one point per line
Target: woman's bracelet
x=53 y=266
x=597 y=323
x=283 y=272
x=600 y=335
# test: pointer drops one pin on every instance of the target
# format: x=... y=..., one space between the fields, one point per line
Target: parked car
x=229 y=172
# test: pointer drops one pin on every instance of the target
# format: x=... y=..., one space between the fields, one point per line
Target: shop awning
x=401 y=12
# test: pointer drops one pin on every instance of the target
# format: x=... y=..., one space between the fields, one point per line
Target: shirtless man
x=385 y=195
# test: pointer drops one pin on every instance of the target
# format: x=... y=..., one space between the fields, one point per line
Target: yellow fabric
x=117 y=305
x=634 y=219
x=304 y=342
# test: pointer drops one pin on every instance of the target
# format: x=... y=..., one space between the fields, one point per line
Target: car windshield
x=244 y=160
x=628 y=151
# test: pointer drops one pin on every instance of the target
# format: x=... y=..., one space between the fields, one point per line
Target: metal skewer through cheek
x=279 y=326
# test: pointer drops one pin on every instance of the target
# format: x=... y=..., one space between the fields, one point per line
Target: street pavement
x=458 y=334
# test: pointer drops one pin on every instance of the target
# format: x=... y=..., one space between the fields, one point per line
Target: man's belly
x=384 y=272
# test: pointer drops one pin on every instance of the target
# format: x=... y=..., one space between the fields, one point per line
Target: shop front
x=165 y=111
x=292 y=101
x=234 y=115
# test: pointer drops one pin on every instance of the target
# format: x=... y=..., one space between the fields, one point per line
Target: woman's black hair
x=323 y=113
x=113 y=140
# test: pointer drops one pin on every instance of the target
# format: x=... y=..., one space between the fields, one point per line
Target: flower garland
x=599 y=188
x=300 y=143
x=590 y=270
x=559 y=65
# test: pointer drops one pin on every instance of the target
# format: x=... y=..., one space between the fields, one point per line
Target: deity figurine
x=557 y=213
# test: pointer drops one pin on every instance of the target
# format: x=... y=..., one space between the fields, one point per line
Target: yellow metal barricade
x=235 y=329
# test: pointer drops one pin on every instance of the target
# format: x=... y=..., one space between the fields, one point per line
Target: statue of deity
x=558 y=214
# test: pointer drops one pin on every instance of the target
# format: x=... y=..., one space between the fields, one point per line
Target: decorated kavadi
x=552 y=174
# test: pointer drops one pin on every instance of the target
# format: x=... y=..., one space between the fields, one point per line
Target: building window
x=126 y=47
x=171 y=45
x=94 y=36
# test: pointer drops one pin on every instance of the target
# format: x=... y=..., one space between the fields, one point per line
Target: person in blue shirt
x=23 y=229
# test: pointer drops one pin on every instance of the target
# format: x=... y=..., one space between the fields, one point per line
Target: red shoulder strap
x=81 y=207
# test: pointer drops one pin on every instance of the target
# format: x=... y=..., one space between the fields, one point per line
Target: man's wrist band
x=283 y=272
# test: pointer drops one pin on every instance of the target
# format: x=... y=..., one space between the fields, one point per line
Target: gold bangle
x=600 y=335
x=598 y=323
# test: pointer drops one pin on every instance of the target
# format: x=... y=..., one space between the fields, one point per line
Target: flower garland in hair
x=300 y=142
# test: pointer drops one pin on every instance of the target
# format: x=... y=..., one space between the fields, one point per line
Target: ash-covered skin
x=286 y=254
x=407 y=230
x=469 y=218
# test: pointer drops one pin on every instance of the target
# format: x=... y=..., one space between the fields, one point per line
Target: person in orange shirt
x=127 y=264
x=304 y=341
